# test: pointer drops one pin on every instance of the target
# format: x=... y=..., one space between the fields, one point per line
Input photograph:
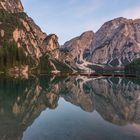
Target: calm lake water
x=69 y=108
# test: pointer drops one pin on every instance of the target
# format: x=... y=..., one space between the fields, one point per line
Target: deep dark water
x=72 y=108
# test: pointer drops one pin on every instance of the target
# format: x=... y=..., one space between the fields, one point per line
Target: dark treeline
x=133 y=68
x=11 y=55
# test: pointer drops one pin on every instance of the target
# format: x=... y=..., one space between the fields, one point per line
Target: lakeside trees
x=133 y=68
x=11 y=55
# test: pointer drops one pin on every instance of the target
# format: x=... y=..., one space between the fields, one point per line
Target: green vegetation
x=44 y=65
x=11 y=55
x=61 y=66
x=9 y=23
x=106 y=69
x=133 y=68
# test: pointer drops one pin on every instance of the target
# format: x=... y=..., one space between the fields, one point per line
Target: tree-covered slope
x=133 y=68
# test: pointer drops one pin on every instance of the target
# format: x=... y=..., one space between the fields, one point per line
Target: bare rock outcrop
x=74 y=51
x=51 y=46
x=116 y=43
x=13 y=6
x=19 y=31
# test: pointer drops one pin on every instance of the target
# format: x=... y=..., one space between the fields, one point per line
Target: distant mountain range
x=23 y=44
x=115 y=44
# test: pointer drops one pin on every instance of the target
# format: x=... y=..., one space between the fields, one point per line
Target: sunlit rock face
x=74 y=51
x=37 y=50
x=50 y=46
x=22 y=31
x=13 y=6
x=116 y=43
x=34 y=37
x=18 y=30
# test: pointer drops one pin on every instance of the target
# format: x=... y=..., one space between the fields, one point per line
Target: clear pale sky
x=70 y=18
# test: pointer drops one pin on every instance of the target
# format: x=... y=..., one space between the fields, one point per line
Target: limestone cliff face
x=74 y=51
x=25 y=43
x=13 y=6
x=21 y=29
x=50 y=46
x=116 y=43
x=50 y=55
x=18 y=30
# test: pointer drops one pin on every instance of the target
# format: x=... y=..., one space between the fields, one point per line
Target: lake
x=69 y=108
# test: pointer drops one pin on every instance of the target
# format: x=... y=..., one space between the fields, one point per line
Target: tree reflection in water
x=21 y=101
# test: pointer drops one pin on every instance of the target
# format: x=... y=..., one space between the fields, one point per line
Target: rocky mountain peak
x=88 y=34
x=117 y=42
x=50 y=46
x=19 y=31
x=13 y=6
x=81 y=42
x=73 y=51
x=123 y=26
x=50 y=43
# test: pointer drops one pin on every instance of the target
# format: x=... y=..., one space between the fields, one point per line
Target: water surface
x=69 y=108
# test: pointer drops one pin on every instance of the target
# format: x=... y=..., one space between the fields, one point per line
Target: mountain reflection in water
x=110 y=108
